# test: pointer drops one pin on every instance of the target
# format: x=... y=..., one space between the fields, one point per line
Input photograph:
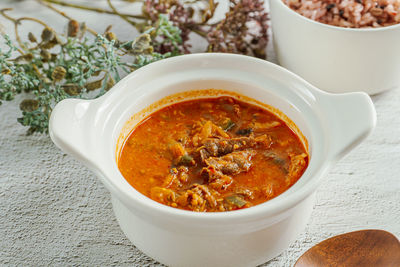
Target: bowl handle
x=67 y=128
x=350 y=118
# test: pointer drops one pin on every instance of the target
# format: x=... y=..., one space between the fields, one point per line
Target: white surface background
x=53 y=211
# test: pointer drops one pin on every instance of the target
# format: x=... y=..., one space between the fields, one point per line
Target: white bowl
x=336 y=59
x=90 y=131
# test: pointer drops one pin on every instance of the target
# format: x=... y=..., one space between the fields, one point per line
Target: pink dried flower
x=243 y=30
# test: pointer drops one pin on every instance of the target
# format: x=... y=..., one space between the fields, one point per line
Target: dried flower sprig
x=244 y=29
x=54 y=67
x=183 y=15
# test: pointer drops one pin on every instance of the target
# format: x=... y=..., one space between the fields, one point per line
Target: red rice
x=349 y=13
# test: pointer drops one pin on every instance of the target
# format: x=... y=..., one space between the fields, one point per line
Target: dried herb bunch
x=55 y=66
x=243 y=30
x=84 y=64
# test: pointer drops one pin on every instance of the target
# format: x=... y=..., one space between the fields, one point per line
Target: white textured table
x=53 y=211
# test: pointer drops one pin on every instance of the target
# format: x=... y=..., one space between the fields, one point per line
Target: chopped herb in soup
x=216 y=154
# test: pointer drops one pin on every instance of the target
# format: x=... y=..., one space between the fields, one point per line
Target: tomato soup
x=211 y=155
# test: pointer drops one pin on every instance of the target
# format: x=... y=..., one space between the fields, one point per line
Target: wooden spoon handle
x=356 y=249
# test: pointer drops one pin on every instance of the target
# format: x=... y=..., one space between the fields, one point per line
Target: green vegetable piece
x=186 y=160
x=279 y=161
x=246 y=131
x=229 y=124
x=236 y=200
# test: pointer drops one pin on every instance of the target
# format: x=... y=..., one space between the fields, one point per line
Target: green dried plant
x=54 y=67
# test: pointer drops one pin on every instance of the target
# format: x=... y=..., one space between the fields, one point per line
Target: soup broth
x=214 y=154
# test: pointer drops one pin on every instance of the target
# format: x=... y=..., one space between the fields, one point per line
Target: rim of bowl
x=268 y=208
x=338 y=28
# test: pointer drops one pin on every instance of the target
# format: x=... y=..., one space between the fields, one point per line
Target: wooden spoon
x=373 y=248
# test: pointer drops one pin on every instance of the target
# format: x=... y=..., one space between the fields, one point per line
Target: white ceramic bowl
x=332 y=124
x=336 y=59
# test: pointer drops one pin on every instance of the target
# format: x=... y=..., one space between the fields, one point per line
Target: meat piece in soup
x=216 y=154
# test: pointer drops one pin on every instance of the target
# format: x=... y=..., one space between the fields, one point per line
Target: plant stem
x=17 y=23
x=2 y=12
x=199 y=32
x=47 y=4
x=122 y=16
x=44 y=2
x=88 y=8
